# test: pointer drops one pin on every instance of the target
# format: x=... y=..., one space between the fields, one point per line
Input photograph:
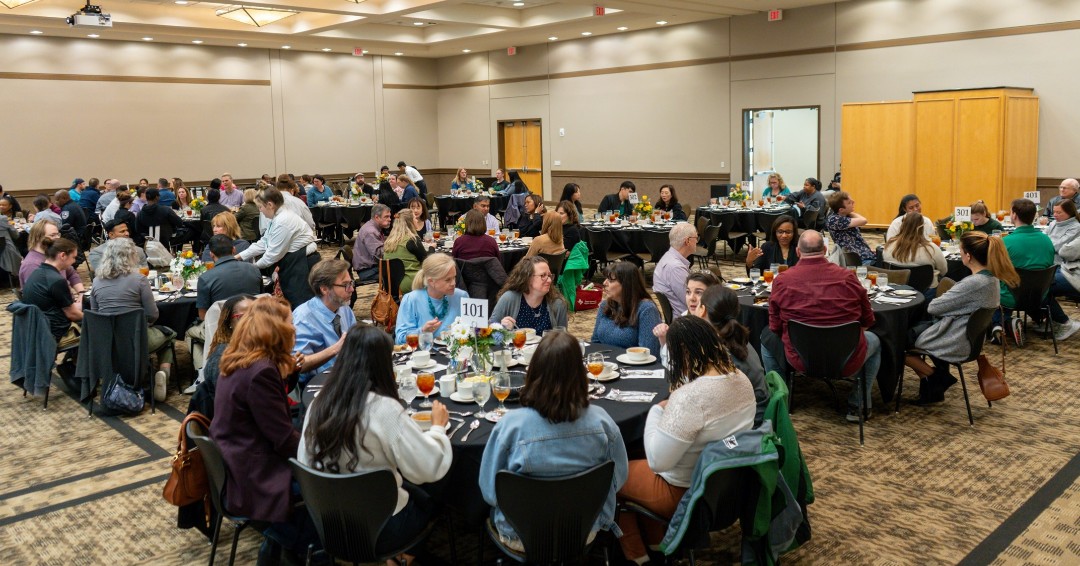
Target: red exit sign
x=776 y=15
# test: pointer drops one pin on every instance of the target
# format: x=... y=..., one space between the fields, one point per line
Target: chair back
x=977 y=326
x=396 y=268
x=765 y=222
x=701 y=222
x=482 y=277
x=665 y=307
x=1034 y=285
x=712 y=235
x=554 y=533
x=729 y=496
x=555 y=262
x=827 y=362
x=113 y=344
x=810 y=219
x=657 y=242
x=349 y=510
x=920 y=276
x=216 y=469
x=897 y=276
x=851 y=259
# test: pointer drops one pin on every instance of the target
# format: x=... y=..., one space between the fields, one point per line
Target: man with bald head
x=1068 y=190
x=820 y=293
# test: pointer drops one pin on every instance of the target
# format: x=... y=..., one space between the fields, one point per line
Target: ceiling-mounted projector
x=90 y=17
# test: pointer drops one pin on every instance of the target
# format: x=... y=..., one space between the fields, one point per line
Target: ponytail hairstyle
x=722 y=310
x=990 y=251
x=979 y=207
x=55 y=247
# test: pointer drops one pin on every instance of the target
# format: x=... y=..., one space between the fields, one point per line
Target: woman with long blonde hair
x=435 y=301
x=910 y=248
x=550 y=240
x=405 y=244
x=943 y=339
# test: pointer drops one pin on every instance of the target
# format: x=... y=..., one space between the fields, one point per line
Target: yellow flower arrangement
x=737 y=195
x=197 y=203
x=643 y=208
x=958 y=229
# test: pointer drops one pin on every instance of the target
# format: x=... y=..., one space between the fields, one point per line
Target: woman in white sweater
x=710 y=400
x=358 y=423
x=910 y=248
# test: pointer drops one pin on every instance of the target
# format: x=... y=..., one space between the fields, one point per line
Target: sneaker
x=996 y=334
x=1018 y=332
x=161 y=384
x=853 y=415
x=1065 y=330
x=191 y=389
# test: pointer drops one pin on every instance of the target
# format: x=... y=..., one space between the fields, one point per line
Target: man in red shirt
x=817 y=292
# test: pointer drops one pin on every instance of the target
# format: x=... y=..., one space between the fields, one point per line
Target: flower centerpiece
x=187 y=265
x=476 y=344
x=643 y=207
x=737 y=195
x=197 y=204
x=459 y=226
x=957 y=229
x=478 y=185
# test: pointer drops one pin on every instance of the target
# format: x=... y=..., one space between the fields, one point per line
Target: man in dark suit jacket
x=619 y=201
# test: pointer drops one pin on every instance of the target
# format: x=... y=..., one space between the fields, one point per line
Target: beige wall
x=664 y=101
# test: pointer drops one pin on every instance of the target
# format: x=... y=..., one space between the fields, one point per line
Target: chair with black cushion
x=706 y=247
x=600 y=242
x=665 y=307
x=481 y=278
x=351 y=510
x=1030 y=296
x=730 y=238
x=809 y=219
x=978 y=324
x=701 y=222
x=27 y=350
x=551 y=533
x=764 y=224
x=112 y=345
x=920 y=278
x=657 y=242
x=218 y=473
x=555 y=262
x=896 y=276
x=827 y=363
x=396 y=268
x=851 y=259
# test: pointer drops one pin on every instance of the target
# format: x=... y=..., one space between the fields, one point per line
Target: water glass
x=882 y=281
x=481 y=393
x=407 y=391
x=860 y=271
x=427 y=339
x=755 y=274
x=774 y=268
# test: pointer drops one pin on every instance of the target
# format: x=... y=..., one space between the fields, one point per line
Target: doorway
x=781 y=140
x=520 y=150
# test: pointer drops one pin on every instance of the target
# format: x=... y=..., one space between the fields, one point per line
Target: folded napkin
x=642 y=374
x=893 y=300
x=630 y=396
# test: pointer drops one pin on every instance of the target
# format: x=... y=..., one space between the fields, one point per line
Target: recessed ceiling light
x=93 y=35
x=182 y=2
x=466 y=50
x=622 y=28
x=197 y=41
x=399 y=54
x=418 y=23
x=552 y=38
x=364 y=51
x=326 y=49
x=36 y=32
x=586 y=33
x=519 y=4
x=286 y=47
x=241 y=45
x=661 y=23
x=148 y=39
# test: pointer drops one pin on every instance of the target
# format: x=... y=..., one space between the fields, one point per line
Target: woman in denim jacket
x=556 y=433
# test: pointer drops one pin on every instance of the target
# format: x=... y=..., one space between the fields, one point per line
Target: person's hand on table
x=1044 y=221
x=431 y=325
x=439 y=415
x=508 y=322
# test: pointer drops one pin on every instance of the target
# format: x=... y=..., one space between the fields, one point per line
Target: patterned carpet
x=925 y=489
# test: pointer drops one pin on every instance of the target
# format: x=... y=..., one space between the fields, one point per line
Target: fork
x=461 y=414
x=472 y=426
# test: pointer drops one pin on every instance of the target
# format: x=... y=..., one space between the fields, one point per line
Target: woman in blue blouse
x=776 y=187
x=318 y=192
x=461 y=182
x=434 y=302
x=627 y=315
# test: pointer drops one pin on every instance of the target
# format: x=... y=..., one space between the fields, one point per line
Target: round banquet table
x=509 y=254
x=352 y=216
x=746 y=219
x=176 y=312
x=891 y=323
x=460 y=488
x=461 y=204
x=628 y=237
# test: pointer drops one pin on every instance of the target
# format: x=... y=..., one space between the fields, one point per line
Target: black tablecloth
x=746 y=219
x=957 y=270
x=628 y=239
x=352 y=217
x=178 y=314
x=459 y=205
x=461 y=488
x=891 y=325
x=509 y=255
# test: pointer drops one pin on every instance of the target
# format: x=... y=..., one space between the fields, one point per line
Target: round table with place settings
x=460 y=204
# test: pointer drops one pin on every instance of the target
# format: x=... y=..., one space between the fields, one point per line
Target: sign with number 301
x=474 y=312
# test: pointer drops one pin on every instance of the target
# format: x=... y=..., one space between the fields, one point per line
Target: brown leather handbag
x=384 y=307
x=188 y=482
x=991 y=379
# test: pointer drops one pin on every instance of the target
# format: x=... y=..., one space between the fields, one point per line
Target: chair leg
x=235 y=539
x=861 y=386
x=46 y=407
x=967 y=402
x=1050 y=329
x=217 y=534
x=899 y=390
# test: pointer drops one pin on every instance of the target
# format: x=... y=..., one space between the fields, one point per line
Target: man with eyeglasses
x=1069 y=189
x=322 y=322
x=669 y=277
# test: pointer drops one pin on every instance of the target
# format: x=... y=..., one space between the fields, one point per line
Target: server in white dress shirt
x=288 y=187
x=288 y=243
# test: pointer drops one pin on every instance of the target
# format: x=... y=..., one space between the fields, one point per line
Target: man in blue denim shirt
x=322 y=321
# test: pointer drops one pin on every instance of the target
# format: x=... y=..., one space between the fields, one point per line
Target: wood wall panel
x=935 y=155
x=878 y=155
x=1021 y=146
x=978 y=150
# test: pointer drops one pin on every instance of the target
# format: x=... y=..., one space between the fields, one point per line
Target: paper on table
x=630 y=396
x=642 y=374
x=893 y=300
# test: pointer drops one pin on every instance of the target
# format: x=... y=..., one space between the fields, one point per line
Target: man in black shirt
x=156 y=215
x=71 y=214
x=620 y=201
x=48 y=290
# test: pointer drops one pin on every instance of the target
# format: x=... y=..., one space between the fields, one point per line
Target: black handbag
x=123 y=398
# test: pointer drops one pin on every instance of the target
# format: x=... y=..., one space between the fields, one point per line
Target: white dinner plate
x=625 y=359
x=741 y=280
x=431 y=363
x=608 y=376
x=905 y=293
x=457 y=396
x=735 y=287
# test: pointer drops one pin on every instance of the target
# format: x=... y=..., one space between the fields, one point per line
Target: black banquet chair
x=1029 y=296
x=828 y=363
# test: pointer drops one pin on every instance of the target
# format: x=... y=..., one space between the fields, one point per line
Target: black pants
x=293 y=270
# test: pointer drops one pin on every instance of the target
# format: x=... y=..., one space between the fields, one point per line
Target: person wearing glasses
x=322 y=321
x=669 y=278
x=529 y=299
x=779 y=248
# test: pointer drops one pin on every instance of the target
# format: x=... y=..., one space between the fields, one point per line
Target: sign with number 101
x=474 y=312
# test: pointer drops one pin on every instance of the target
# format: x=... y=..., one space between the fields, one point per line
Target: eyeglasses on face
x=348 y=285
x=544 y=275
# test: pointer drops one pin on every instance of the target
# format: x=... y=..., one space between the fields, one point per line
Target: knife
x=453 y=432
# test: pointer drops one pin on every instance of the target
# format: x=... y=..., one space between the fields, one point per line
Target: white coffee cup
x=638 y=353
x=464 y=390
x=446 y=385
x=421 y=358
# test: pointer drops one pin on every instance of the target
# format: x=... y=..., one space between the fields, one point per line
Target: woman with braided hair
x=710 y=400
x=720 y=306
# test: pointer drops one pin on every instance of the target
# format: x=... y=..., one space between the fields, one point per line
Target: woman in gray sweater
x=529 y=299
x=988 y=261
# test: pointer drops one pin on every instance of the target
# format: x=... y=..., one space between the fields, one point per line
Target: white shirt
x=110 y=211
x=413 y=174
x=492 y=223
x=286 y=233
x=894 y=227
x=293 y=205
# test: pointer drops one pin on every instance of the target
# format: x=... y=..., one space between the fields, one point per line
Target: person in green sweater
x=982 y=220
x=1028 y=249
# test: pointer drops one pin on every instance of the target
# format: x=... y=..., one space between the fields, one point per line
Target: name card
x=1033 y=196
x=633 y=198
x=962 y=214
x=474 y=312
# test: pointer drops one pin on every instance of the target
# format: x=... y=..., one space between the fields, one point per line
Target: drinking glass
x=503 y=235
x=872 y=276
x=996 y=233
x=481 y=392
x=427 y=339
x=407 y=390
x=768 y=276
x=491 y=232
x=755 y=274
x=437 y=235
x=425 y=382
x=774 y=268
x=558 y=329
x=595 y=364
x=500 y=388
x=781 y=268
x=413 y=340
x=519 y=340
x=883 y=281
x=144 y=270
x=861 y=271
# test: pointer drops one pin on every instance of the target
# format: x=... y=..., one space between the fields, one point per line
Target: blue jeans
x=870 y=367
x=1060 y=288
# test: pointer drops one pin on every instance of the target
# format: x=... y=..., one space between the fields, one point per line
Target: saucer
x=905 y=293
x=457 y=396
x=609 y=376
x=534 y=340
x=625 y=359
x=431 y=363
x=741 y=280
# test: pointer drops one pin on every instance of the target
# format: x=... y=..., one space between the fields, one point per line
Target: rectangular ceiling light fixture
x=258 y=17
x=12 y=4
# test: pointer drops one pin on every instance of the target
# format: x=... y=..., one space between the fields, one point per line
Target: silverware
x=456 y=419
x=453 y=432
x=472 y=426
x=461 y=414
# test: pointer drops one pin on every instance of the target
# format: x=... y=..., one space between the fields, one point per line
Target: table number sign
x=633 y=198
x=474 y=312
x=962 y=214
x=1033 y=196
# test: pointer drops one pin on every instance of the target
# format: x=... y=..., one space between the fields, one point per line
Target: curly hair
x=695 y=348
x=119 y=257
